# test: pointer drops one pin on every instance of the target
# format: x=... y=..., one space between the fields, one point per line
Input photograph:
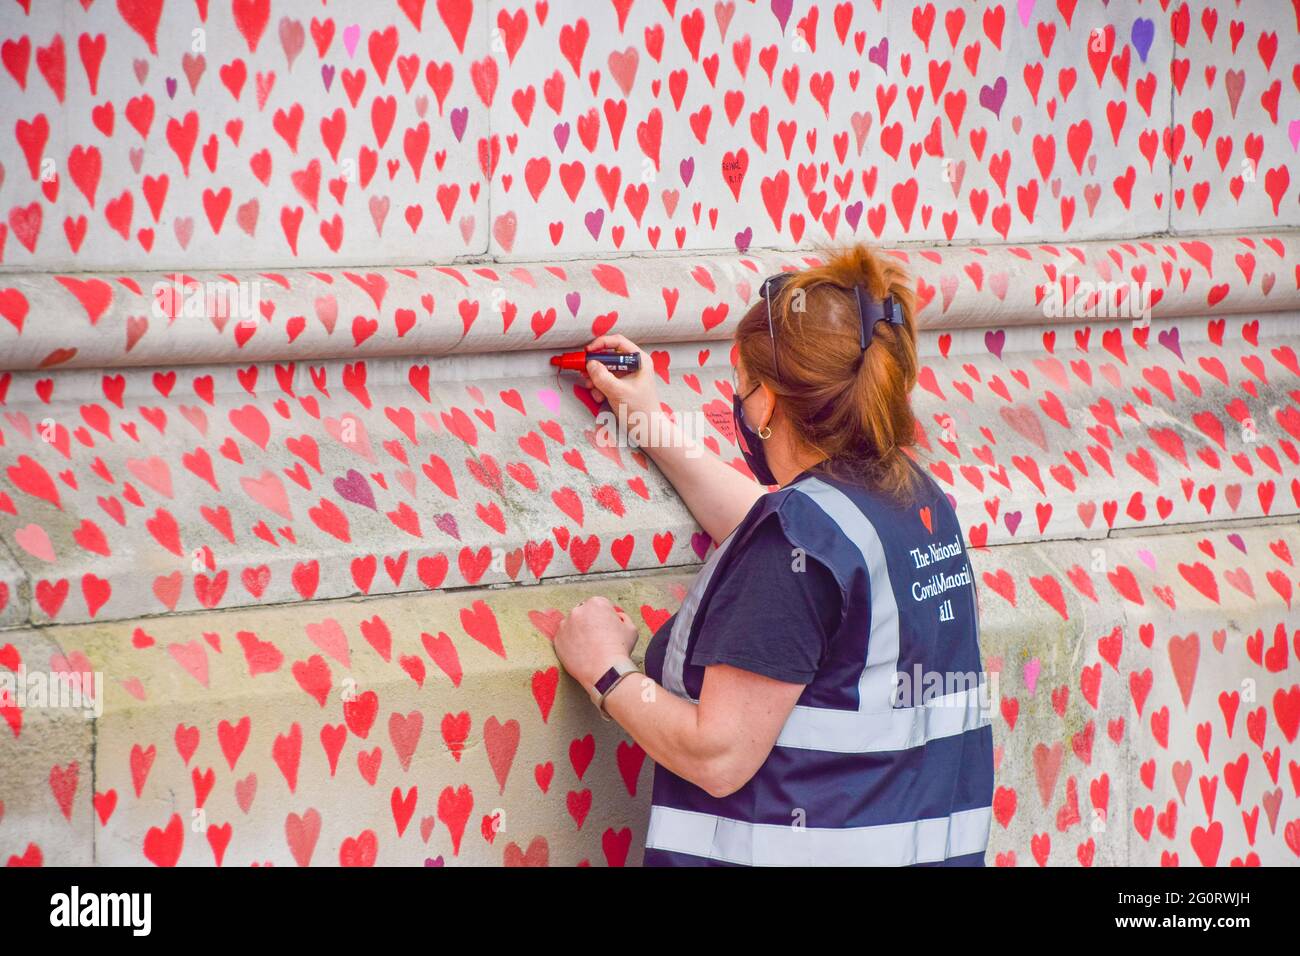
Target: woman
x=817 y=699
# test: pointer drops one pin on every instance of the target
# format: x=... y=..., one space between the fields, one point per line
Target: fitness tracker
x=609 y=680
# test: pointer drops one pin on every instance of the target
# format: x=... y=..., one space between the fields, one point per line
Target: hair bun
x=844 y=399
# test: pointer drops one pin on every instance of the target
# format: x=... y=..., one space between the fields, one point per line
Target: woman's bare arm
x=717 y=744
x=717 y=495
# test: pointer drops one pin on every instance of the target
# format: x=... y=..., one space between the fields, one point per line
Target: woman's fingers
x=601 y=378
x=619 y=343
x=590 y=386
x=586 y=383
x=627 y=394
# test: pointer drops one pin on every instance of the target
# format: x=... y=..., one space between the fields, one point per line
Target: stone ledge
x=182 y=489
x=115 y=320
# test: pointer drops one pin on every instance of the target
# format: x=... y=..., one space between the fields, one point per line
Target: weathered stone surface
x=463 y=310
x=1147 y=712
x=1149 y=707
x=446 y=715
x=242 y=485
x=415 y=205
x=47 y=755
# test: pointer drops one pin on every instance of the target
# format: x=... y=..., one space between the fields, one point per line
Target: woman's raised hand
x=634 y=392
x=717 y=494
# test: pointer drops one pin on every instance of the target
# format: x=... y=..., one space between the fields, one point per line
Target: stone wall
x=283 y=461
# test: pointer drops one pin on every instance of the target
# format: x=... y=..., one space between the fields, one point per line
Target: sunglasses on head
x=870 y=311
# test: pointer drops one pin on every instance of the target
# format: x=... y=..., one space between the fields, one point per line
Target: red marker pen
x=614 y=361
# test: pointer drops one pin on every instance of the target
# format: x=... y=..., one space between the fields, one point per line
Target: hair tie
x=871 y=311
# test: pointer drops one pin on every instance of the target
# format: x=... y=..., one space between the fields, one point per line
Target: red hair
x=853 y=407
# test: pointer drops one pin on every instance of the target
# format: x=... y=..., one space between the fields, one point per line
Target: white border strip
x=902 y=728
x=876 y=686
x=756 y=844
x=674 y=679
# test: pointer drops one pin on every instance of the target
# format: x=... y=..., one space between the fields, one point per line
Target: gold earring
x=765 y=428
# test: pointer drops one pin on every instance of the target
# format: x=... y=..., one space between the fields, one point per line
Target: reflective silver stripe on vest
x=675 y=653
x=877 y=726
x=759 y=844
x=854 y=732
x=876 y=685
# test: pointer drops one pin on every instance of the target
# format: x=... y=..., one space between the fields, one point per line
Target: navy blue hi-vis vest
x=887 y=758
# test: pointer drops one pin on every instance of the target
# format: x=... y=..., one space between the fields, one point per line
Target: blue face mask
x=751 y=446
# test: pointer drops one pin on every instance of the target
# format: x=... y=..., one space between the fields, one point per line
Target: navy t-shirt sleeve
x=773 y=612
